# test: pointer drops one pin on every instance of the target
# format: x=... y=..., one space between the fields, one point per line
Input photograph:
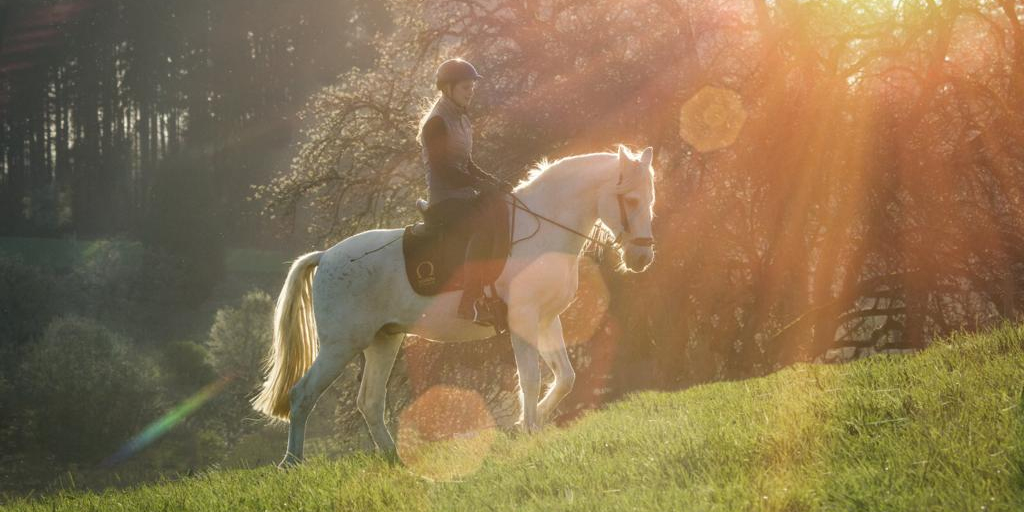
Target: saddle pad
x=434 y=262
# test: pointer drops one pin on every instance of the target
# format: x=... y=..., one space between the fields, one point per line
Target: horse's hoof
x=521 y=429
x=391 y=457
x=289 y=462
x=530 y=429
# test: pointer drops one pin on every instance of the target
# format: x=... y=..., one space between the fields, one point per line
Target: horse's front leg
x=523 y=326
x=552 y=349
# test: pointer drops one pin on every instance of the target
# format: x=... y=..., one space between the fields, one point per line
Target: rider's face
x=462 y=92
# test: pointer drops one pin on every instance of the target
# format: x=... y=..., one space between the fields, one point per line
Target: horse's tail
x=295 y=343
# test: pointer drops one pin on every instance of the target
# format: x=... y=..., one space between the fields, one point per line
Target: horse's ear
x=623 y=156
x=647 y=157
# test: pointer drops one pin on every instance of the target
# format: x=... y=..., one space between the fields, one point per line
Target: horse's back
x=362 y=260
x=366 y=241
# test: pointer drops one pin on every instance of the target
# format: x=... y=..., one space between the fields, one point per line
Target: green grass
x=940 y=430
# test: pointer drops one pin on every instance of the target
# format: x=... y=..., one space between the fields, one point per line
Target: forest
x=834 y=178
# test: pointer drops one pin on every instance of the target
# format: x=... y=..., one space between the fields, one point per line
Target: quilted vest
x=460 y=146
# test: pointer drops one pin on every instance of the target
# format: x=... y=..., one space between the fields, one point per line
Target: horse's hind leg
x=380 y=358
x=328 y=365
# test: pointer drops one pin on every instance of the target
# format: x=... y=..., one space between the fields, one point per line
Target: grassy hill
x=940 y=430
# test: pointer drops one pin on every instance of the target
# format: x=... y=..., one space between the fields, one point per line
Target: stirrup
x=498 y=311
x=486 y=317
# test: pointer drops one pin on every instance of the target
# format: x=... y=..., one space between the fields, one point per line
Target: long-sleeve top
x=447 y=153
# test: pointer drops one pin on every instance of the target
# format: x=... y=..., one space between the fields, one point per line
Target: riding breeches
x=464 y=215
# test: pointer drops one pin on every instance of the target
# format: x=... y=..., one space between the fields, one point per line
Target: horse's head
x=626 y=206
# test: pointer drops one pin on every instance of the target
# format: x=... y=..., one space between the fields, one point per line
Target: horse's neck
x=566 y=196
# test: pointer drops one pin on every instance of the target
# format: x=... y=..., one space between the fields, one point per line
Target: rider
x=455 y=182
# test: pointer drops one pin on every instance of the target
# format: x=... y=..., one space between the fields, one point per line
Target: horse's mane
x=539 y=168
x=543 y=165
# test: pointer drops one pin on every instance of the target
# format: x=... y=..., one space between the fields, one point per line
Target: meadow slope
x=939 y=430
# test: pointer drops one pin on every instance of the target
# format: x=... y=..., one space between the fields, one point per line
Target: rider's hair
x=425 y=115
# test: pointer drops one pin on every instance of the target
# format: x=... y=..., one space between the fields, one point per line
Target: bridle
x=643 y=241
x=616 y=244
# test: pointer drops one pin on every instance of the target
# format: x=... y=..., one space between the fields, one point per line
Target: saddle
x=435 y=258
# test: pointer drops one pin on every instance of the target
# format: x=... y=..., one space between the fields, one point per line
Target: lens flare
x=712 y=118
x=588 y=312
x=166 y=422
x=446 y=433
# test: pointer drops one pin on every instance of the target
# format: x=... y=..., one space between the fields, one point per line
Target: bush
x=87 y=391
x=27 y=302
x=186 y=366
x=135 y=288
x=239 y=340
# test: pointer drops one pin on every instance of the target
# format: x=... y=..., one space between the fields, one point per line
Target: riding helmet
x=455 y=70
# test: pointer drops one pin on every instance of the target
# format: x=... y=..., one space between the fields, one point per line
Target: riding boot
x=434 y=220
x=473 y=305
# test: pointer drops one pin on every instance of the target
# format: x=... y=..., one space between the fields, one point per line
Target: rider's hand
x=500 y=185
x=494 y=186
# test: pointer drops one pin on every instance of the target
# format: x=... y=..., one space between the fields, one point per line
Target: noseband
x=644 y=241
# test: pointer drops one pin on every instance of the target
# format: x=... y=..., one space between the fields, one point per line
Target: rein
x=614 y=245
x=516 y=203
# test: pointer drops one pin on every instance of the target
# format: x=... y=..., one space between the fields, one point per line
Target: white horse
x=359 y=299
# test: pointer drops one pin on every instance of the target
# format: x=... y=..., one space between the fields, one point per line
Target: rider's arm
x=481 y=176
x=435 y=140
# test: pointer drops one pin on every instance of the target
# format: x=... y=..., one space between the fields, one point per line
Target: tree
x=870 y=197
x=95 y=95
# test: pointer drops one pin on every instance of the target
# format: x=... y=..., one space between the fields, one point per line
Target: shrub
x=186 y=366
x=88 y=391
x=27 y=302
x=135 y=288
x=239 y=340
